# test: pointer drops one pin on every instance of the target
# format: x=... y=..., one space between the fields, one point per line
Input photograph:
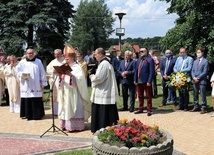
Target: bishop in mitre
x=74 y=103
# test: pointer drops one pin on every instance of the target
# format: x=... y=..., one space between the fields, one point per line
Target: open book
x=62 y=69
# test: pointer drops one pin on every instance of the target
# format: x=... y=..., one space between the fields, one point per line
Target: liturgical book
x=62 y=69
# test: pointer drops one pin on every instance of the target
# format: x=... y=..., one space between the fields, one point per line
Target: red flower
x=119 y=132
x=123 y=137
x=136 y=139
x=133 y=131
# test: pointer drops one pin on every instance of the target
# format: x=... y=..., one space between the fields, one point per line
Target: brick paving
x=193 y=133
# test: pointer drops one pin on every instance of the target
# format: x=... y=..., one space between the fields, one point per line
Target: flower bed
x=133 y=138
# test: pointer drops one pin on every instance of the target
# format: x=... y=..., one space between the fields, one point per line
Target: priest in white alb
x=12 y=83
x=54 y=78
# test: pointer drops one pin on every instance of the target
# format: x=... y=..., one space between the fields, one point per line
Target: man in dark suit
x=166 y=69
x=126 y=70
x=143 y=76
x=199 y=76
x=119 y=58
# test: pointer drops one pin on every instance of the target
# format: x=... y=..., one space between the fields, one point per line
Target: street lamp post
x=120 y=31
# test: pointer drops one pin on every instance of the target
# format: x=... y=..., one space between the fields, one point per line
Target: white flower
x=178 y=79
x=188 y=79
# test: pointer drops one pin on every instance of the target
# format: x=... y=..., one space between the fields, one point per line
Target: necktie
x=126 y=64
x=140 y=66
x=167 y=66
x=198 y=63
x=183 y=63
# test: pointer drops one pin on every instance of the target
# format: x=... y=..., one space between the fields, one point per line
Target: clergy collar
x=31 y=59
x=104 y=58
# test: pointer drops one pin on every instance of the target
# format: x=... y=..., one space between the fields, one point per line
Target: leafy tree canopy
x=38 y=23
x=194 y=27
x=91 y=25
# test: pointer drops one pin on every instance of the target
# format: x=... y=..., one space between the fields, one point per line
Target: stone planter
x=164 y=148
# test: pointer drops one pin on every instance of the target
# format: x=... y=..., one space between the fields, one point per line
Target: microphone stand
x=53 y=122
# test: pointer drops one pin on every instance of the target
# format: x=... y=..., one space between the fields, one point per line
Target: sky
x=144 y=18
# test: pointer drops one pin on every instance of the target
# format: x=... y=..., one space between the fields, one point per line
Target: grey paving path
x=193 y=133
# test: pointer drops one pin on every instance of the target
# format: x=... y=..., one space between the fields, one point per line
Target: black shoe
x=180 y=108
x=138 y=112
x=149 y=114
x=123 y=109
x=155 y=96
x=131 y=110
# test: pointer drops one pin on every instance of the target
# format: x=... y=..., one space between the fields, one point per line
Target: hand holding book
x=62 y=69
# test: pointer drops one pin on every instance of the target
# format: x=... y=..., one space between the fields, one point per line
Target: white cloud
x=75 y=3
x=144 y=18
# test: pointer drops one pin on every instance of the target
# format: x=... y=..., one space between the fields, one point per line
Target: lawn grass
x=87 y=151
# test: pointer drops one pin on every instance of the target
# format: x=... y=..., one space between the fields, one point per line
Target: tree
x=150 y=43
x=194 y=27
x=91 y=25
x=40 y=23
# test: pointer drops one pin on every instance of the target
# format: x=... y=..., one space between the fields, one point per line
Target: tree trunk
x=30 y=35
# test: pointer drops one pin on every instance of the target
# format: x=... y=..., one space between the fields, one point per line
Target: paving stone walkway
x=193 y=133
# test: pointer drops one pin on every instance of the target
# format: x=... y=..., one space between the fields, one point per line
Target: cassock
x=32 y=77
x=104 y=97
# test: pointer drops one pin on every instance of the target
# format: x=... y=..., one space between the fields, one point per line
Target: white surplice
x=31 y=87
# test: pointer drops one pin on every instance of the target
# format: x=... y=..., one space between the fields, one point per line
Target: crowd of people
x=23 y=83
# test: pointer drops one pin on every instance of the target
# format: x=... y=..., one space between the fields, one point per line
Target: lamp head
x=120 y=15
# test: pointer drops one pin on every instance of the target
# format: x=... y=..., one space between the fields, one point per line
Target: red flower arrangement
x=131 y=134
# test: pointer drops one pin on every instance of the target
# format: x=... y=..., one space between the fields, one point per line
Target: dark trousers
x=118 y=79
x=184 y=99
x=140 y=91
x=154 y=86
x=131 y=89
x=202 y=89
x=7 y=97
x=168 y=91
x=88 y=81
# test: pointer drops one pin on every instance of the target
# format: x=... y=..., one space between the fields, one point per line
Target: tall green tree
x=91 y=25
x=194 y=26
x=38 y=23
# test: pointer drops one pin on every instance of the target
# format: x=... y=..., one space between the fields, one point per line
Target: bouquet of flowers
x=179 y=81
x=131 y=134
